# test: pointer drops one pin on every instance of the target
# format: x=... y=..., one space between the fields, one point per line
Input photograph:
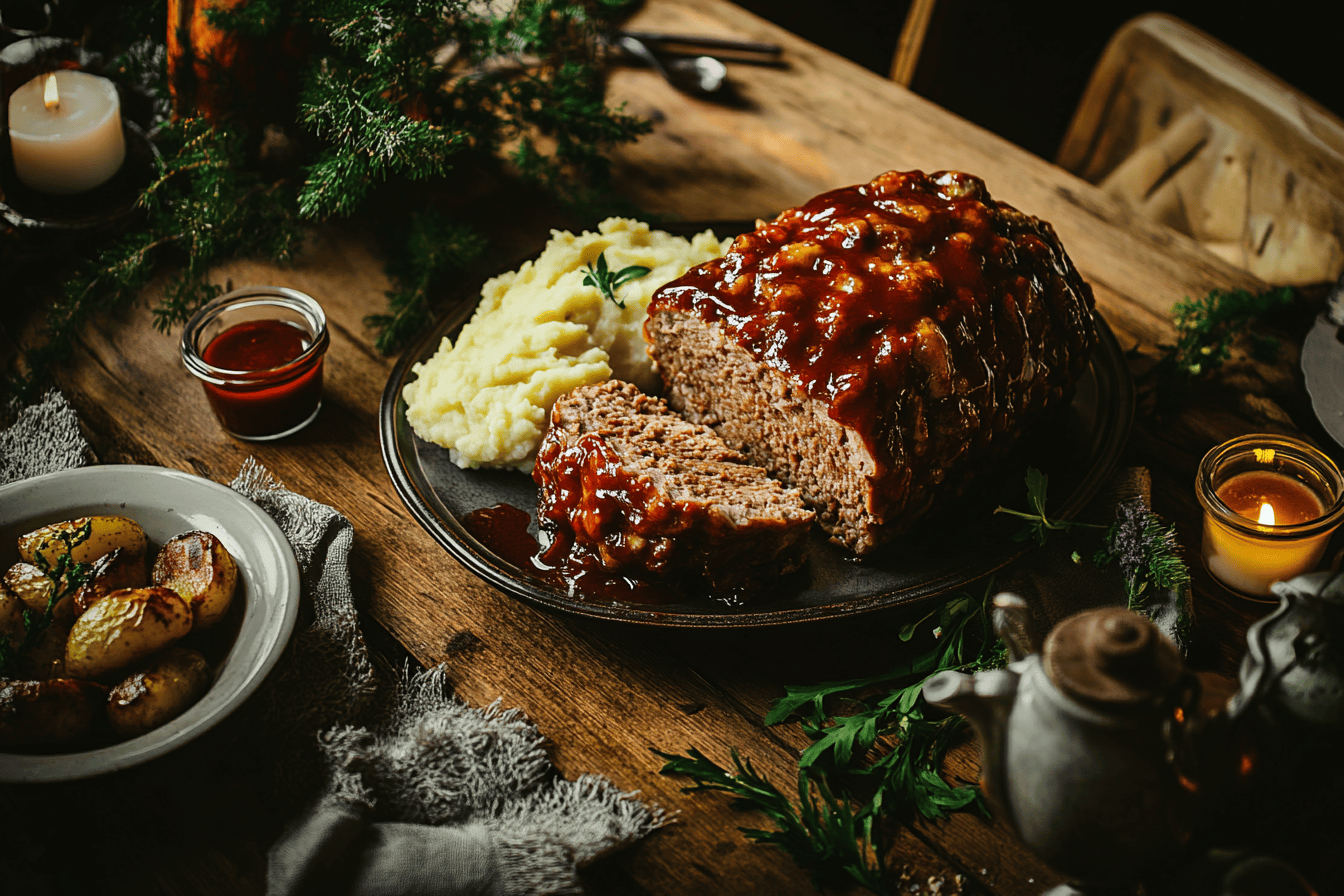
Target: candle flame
x=50 y=97
x=1266 y=515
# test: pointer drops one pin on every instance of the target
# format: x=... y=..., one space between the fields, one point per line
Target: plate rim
x=1106 y=362
x=54 y=767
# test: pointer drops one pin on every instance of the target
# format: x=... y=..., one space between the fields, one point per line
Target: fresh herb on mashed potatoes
x=540 y=332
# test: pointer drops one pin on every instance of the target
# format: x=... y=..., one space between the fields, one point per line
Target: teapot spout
x=985 y=699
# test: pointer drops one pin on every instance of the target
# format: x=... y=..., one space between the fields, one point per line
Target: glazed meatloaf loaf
x=624 y=478
x=879 y=346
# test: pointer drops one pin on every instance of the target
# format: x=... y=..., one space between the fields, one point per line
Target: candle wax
x=1249 y=563
x=1293 y=502
x=72 y=147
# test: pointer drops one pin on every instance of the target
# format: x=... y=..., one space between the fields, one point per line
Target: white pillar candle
x=71 y=146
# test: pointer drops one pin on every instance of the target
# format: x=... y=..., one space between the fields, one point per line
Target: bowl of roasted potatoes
x=139 y=606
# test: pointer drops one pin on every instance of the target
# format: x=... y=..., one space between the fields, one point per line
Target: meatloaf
x=630 y=482
x=878 y=347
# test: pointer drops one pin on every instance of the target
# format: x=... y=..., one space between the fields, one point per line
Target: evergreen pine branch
x=204 y=207
x=1206 y=327
x=1148 y=553
x=420 y=256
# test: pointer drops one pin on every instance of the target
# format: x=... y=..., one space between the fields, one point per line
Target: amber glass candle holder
x=258 y=353
x=1247 y=547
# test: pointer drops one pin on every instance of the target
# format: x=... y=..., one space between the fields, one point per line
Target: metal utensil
x=699 y=75
x=709 y=43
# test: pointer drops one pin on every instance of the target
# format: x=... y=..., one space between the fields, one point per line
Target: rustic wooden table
x=605 y=694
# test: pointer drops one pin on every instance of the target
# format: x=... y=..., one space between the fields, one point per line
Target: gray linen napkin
x=416 y=792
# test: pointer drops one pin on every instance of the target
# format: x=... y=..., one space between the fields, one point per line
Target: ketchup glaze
x=929 y=318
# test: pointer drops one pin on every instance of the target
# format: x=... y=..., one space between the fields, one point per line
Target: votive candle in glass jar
x=258 y=352
x=1270 y=505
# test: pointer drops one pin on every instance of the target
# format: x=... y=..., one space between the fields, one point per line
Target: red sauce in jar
x=265 y=405
x=256 y=345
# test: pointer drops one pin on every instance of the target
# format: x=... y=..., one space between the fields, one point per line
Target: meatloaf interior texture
x=879 y=346
x=624 y=477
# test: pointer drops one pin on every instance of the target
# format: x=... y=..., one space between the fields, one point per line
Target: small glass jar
x=258 y=352
x=1270 y=505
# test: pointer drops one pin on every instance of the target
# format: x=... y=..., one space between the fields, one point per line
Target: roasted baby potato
x=173 y=681
x=35 y=588
x=47 y=713
x=202 y=571
x=45 y=657
x=113 y=571
x=89 y=537
x=30 y=584
x=124 y=628
x=11 y=617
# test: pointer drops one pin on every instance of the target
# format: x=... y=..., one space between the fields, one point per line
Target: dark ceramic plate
x=964 y=542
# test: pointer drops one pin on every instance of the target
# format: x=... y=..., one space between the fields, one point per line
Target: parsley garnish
x=607 y=281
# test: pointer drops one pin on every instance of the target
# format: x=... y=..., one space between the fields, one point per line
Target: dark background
x=1019 y=68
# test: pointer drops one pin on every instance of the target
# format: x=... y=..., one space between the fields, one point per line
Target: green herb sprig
x=68 y=575
x=835 y=830
x=822 y=832
x=1039 y=526
x=606 y=281
x=1149 y=556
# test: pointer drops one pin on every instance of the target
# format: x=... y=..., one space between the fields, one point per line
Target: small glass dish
x=278 y=338
x=1248 y=555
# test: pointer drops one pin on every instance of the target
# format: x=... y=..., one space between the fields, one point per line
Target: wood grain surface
x=606 y=694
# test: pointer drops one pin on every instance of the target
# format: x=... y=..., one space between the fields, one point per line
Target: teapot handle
x=1180 y=752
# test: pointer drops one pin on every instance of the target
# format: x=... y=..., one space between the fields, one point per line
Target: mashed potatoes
x=537 y=334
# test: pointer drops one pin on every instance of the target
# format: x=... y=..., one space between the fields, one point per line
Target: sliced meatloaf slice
x=880 y=347
x=623 y=477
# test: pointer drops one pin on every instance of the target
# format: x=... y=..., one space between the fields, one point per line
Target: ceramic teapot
x=1083 y=740
x=1272 y=757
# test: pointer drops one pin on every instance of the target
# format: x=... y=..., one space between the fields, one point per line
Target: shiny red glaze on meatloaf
x=878 y=346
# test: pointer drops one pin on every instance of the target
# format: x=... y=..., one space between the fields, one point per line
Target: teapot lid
x=1110 y=656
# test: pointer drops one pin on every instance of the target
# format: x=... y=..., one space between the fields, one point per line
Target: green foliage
x=847 y=794
x=420 y=254
x=607 y=281
x=1149 y=557
x=205 y=206
x=1207 y=327
x=823 y=832
x=68 y=575
x=372 y=97
x=1039 y=526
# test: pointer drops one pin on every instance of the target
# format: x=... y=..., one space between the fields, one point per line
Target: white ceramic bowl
x=165 y=503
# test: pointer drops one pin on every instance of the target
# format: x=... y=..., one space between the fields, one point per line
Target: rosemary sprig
x=823 y=832
x=68 y=575
x=607 y=281
x=833 y=831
